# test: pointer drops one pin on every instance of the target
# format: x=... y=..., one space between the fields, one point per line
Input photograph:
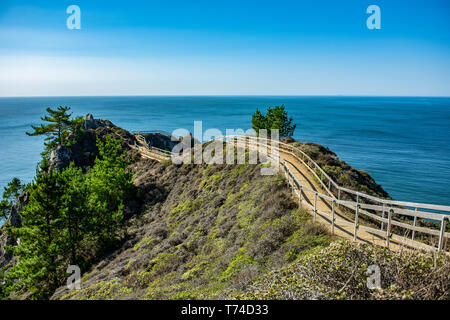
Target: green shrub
x=339 y=271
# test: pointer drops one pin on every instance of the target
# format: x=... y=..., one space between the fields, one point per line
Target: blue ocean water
x=404 y=143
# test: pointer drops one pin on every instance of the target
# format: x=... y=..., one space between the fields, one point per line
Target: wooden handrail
x=358 y=206
x=356 y=193
x=390 y=207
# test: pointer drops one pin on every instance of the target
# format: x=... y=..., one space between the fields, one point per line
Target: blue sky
x=228 y=47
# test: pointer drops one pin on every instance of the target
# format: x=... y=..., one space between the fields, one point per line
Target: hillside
x=205 y=229
x=226 y=231
x=216 y=232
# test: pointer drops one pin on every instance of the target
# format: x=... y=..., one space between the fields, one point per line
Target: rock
x=14 y=220
x=60 y=157
x=160 y=141
x=89 y=122
x=84 y=150
x=287 y=140
x=190 y=141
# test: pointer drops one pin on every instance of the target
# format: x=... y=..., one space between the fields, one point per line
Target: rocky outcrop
x=190 y=139
x=60 y=157
x=160 y=141
x=91 y=123
x=84 y=151
x=14 y=220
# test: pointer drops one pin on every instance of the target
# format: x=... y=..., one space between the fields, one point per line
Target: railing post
x=388 y=228
x=315 y=206
x=442 y=234
x=321 y=177
x=292 y=184
x=300 y=196
x=332 y=216
x=356 y=222
x=414 y=225
x=382 y=216
x=285 y=171
x=339 y=195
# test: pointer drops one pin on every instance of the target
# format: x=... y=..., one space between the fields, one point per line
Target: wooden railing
x=381 y=217
x=387 y=213
x=150 y=148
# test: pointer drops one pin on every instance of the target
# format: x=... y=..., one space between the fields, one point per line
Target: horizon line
x=231 y=95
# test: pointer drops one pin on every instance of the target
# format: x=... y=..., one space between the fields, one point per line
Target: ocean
x=403 y=142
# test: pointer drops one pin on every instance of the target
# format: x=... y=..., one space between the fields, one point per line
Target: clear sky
x=218 y=47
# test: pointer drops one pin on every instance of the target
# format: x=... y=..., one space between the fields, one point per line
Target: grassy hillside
x=340 y=271
x=212 y=232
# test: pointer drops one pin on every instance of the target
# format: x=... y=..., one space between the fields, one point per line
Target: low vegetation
x=217 y=229
x=342 y=270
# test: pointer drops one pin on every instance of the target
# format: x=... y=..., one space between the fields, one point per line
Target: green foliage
x=40 y=251
x=76 y=128
x=218 y=229
x=57 y=130
x=340 y=271
x=10 y=194
x=106 y=290
x=275 y=118
x=259 y=121
x=239 y=262
x=13 y=189
x=69 y=218
x=5 y=209
x=110 y=183
x=75 y=211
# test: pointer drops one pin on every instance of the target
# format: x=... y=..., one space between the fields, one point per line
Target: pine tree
x=70 y=218
x=259 y=121
x=40 y=251
x=110 y=183
x=275 y=118
x=75 y=213
x=58 y=128
x=10 y=194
